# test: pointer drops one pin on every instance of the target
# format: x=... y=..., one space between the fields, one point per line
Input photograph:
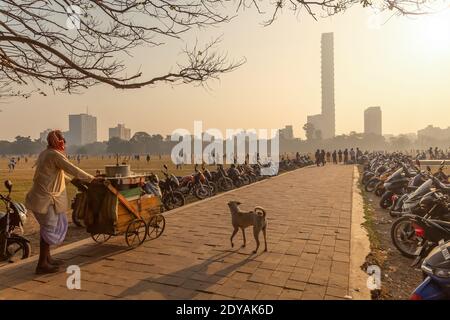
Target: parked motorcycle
x=171 y=198
x=220 y=177
x=195 y=184
x=13 y=246
x=396 y=184
x=235 y=175
x=210 y=181
x=413 y=233
x=436 y=270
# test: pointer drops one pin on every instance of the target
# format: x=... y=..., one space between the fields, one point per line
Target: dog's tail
x=260 y=211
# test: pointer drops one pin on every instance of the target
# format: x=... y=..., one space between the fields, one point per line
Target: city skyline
x=372 y=121
x=404 y=60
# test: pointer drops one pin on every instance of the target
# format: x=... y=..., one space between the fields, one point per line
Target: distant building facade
x=120 y=131
x=82 y=129
x=43 y=135
x=326 y=121
x=287 y=133
x=373 y=121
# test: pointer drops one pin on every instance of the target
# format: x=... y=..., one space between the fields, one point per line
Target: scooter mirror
x=8 y=185
x=165 y=167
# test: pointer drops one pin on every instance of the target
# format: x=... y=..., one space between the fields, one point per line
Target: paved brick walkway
x=309 y=216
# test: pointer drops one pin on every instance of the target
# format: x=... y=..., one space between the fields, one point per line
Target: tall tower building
x=373 y=121
x=325 y=122
x=327 y=73
x=82 y=129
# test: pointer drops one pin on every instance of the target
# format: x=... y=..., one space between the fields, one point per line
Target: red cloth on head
x=56 y=140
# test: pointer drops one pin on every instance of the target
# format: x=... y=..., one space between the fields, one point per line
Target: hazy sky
x=403 y=65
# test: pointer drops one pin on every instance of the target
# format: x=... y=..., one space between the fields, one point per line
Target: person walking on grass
x=47 y=198
x=12 y=164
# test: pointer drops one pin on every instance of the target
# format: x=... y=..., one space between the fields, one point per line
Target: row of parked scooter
x=204 y=183
x=419 y=200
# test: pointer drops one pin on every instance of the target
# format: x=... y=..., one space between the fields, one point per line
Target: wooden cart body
x=108 y=212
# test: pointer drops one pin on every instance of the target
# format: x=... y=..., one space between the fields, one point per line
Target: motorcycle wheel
x=213 y=187
x=17 y=248
x=366 y=177
x=245 y=180
x=371 y=184
x=202 y=192
x=386 y=200
x=225 y=184
x=404 y=237
x=379 y=189
x=174 y=200
x=238 y=183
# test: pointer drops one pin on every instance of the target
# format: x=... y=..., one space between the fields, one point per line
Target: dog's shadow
x=200 y=280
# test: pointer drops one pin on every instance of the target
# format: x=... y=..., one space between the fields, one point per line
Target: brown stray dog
x=244 y=219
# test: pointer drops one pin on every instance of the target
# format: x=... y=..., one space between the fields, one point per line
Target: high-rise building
x=82 y=129
x=326 y=121
x=287 y=132
x=120 y=131
x=43 y=135
x=373 y=121
x=327 y=72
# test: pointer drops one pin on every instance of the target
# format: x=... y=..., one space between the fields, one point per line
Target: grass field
x=22 y=176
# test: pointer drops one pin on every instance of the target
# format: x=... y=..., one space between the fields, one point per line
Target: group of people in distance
x=346 y=157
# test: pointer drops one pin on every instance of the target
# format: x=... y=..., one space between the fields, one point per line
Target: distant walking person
x=322 y=157
x=317 y=155
x=359 y=155
x=334 y=155
x=340 y=155
x=328 y=156
x=353 y=155
x=12 y=164
x=346 y=156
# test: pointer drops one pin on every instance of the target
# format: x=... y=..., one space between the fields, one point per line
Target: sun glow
x=434 y=32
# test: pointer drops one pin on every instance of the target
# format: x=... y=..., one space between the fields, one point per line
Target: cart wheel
x=156 y=226
x=100 y=237
x=136 y=233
